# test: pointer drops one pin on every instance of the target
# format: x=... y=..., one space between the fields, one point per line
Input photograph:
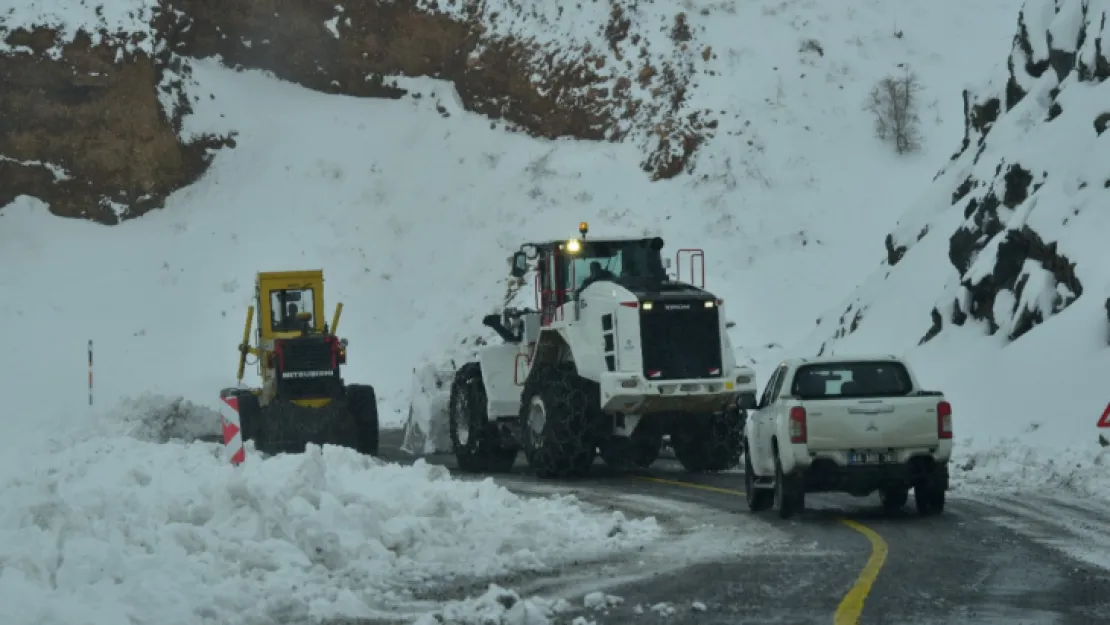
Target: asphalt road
x=985 y=561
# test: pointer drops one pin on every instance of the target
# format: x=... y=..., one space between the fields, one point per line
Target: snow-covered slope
x=412 y=212
x=1000 y=271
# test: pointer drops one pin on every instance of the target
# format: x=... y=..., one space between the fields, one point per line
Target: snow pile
x=498 y=606
x=127 y=24
x=107 y=529
x=1012 y=465
x=997 y=281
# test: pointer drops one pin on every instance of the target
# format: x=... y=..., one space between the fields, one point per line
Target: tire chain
x=567 y=447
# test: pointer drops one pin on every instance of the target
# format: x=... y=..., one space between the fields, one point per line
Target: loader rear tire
x=479 y=446
x=556 y=425
x=362 y=402
x=710 y=442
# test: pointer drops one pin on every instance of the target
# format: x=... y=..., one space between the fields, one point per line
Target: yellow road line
x=850 y=608
x=712 y=489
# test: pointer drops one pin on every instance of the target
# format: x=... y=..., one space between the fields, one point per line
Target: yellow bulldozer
x=303 y=398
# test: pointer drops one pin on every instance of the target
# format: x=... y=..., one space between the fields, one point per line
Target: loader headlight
x=710 y=304
x=647 y=306
x=573 y=246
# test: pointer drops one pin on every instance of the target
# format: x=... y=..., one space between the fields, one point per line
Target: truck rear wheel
x=362 y=403
x=477 y=443
x=929 y=499
x=708 y=443
x=759 y=499
x=894 y=499
x=555 y=422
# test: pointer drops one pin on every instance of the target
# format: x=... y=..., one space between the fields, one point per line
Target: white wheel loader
x=615 y=356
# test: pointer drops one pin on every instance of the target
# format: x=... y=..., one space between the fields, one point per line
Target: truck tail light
x=798 y=425
x=944 y=420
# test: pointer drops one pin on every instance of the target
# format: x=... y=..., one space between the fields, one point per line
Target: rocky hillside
x=1016 y=216
x=92 y=95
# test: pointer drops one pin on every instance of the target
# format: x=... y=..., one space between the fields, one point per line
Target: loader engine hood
x=679 y=330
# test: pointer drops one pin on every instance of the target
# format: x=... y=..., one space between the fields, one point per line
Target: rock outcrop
x=1021 y=177
x=92 y=115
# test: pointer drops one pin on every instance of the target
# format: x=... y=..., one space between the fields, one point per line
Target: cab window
x=286 y=304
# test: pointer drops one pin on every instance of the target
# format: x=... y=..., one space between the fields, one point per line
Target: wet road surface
x=998 y=560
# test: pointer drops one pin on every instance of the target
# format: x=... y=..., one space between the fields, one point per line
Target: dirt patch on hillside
x=87 y=134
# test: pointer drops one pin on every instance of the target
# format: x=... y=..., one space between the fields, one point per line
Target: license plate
x=868 y=457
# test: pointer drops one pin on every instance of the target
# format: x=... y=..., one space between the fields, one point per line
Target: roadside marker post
x=233 y=435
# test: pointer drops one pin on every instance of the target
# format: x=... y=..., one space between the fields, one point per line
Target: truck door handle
x=876 y=410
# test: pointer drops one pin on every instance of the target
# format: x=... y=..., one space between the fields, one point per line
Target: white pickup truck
x=847 y=424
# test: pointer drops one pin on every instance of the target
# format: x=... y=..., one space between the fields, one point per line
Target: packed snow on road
x=112 y=525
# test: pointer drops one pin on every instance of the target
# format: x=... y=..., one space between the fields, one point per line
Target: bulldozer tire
x=285 y=427
x=477 y=443
x=711 y=442
x=363 y=405
x=555 y=422
x=249 y=410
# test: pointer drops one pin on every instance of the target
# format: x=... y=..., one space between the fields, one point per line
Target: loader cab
x=289 y=303
x=565 y=268
x=302 y=357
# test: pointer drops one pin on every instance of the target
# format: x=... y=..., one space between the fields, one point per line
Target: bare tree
x=893 y=102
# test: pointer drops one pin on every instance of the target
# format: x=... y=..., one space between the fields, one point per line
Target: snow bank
x=1012 y=465
x=112 y=529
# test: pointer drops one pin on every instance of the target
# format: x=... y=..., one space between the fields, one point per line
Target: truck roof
x=821 y=360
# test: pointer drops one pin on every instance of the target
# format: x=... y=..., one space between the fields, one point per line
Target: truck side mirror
x=520 y=265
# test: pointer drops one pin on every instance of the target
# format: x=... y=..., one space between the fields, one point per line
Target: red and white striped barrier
x=233 y=436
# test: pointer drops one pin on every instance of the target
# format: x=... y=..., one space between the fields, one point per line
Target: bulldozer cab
x=290 y=303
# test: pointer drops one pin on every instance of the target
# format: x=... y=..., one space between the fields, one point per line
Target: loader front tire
x=478 y=444
x=362 y=402
x=709 y=442
x=556 y=426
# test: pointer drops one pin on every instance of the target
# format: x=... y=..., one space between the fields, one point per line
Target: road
x=995 y=561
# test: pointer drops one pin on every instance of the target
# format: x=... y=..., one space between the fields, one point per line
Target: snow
x=116 y=22
x=412 y=214
x=102 y=527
